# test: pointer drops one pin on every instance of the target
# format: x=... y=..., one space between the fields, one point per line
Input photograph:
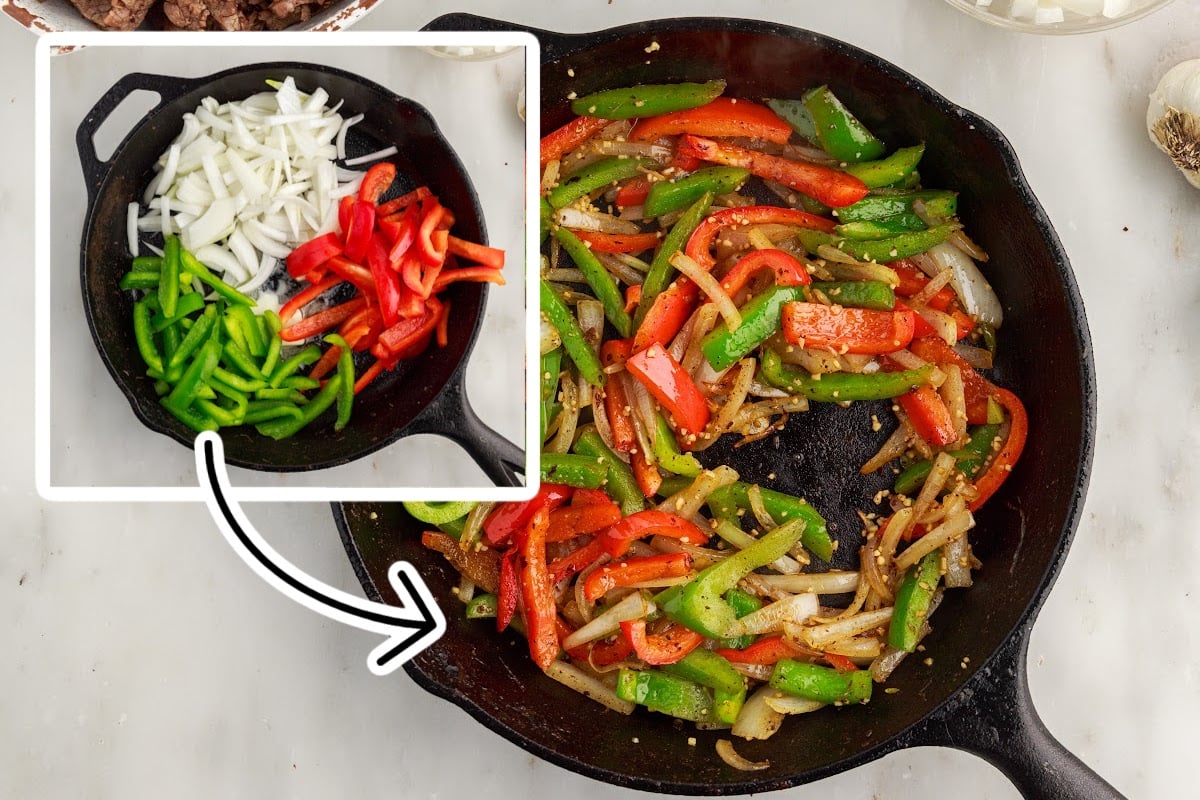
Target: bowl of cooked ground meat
x=46 y=16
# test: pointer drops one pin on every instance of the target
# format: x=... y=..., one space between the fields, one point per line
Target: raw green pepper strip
x=860 y=294
x=822 y=684
x=573 y=340
x=660 y=272
x=938 y=203
x=726 y=502
x=345 y=373
x=308 y=355
x=797 y=116
x=196 y=374
x=838 y=131
x=283 y=428
x=256 y=343
x=580 y=471
x=551 y=367
x=895 y=167
x=139 y=280
x=760 y=321
x=648 y=100
x=237 y=381
x=239 y=398
x=188 y=304
x=912 y=602
x=605 y=172
x=170 y=339
x=195 y=337
x=438 y=513
x=222 y=416
x=192 y=265
x=168 y=278
x=282 y=393
x=162 y=388
x=901 y=245
x=144 y=337
x=881 y=228
x=235 y=330
x=667 y=196
x=482 y=606
x=667 y=694
x=969 y=459
x=274 y=343
x=236 y=357
x=147 y=264
x=601 y=281
x=620 y=484
x=263 y=410
x=193 y=419
x=709 y=669
x=667 y=453
x=301 y=383
x=699 y=604
x=839 y=387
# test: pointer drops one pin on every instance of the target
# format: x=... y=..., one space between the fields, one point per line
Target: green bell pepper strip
x=620 y=484
x=301 y=383
x=840 y=387
x=823 y=684
x=660 y=272
x=988 y=334
x=438 y=513
x=195 y=337
x=144 y=337
x=698 y=604
x=860 y=294
x=192 y=418
x=236 y=357
x=742 y=603
x=709 y=669
x=910 y=181
x=969 y=459
x=454 y=527
x=162 y=388
x=605 y=172
x=238 y=397
x=885 y=171
x=573 y=340
x=673 y=484
x=171 y=336
x=168 y=277
x=912 y=601
x=255 y=342
x=838 y=131
x=188 y=304
x=938 y=203
x=726 y=502
x=880 y=228
x=283 y=428
x=573 y=469
x=282 y=393
x=222 y=416
x=482 y=606
x=197 y=372
x=667 y=196
x=545 y=220
x=760 y=321
x=796 y=115
x=274 y=343
x=192 y=265
x=902 y=245
x=551 y=367
x=665 y=693
x=263 y=410
x=308 y=355
x=235 y=330
x=139 y=280
x=345 y=372
x=667 y=453
x=648 y=100
x=236 y=381
x=601 y=281
x=147 y=264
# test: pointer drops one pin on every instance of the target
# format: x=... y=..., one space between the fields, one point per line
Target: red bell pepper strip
x=724 y=117
x=788 y=271
x=509 y=589
x=845 y=329
x=477 y=253
x=632 y=192
x=976 y=388
x=929 y=415
x=650 y=523
x=402 y=202
x=603 y=654
x=767 y=650
x=345 y=211
x=312 y=254
x=1004 y=461
x=387 y=282
x=831 y=186
x=305 y=297
x=633 y=297
x=426 y=249
x=408 y=337
x=361 y=228
x=541 y=613
x=574 y=520
x=443 y=325
x=410 y=273
x=371 y=373
x=589 y=497
x=321 y=321
x=667 y=647
x=617 y=407
x=619 y=242
x=354 y=273
x=402 y=232
x=377 y=180
x=577 y=560
x=673 y=388
x=645 y=472
x=839 y=661
x=634 y=570
x=913 y=280
x=471 y=274
x=509 y=518
x=559 y=142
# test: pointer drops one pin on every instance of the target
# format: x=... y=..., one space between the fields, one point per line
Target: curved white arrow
x=408 y=629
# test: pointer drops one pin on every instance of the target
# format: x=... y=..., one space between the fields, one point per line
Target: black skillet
x=974 y=695
x=423 y=395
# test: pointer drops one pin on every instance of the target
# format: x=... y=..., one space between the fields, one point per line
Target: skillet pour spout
x=973 y=694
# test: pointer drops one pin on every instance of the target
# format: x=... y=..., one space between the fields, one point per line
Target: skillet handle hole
x=121 y=120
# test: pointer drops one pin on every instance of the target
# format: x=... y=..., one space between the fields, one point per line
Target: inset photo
x=312 y=245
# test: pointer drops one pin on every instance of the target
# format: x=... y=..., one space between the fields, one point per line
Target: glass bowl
x=1058 y=16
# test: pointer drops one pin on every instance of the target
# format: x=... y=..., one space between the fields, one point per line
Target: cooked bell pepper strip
x=667 y=694
x=632 y=192
x=938 y=204
x=707 y=668
x=976 y=388
x=797 y=116
x=561 y=141
x=573 y=470
x=822 y=684
x=195 y=337
x=509 y=518
x=847 y=329
x=634 y=570
x=726 y=502
x=840 y=662
x=724 y=117
x=345 y=374
x=573 y=340
x=651 y=522
x=666 y=647
x=660 y=272
x=742 y=604
x=168 y=277
x=832 y=187
x=601 y=281
x=551 y=368
x=620 y=415
x=377 y=180
x=912 y=602
x=699 y=604
x=840 y=387
x=787 y=270
x=673 y=388
x=899 y=246
x=437 y=513
x=929 y=415
x=699 y=246
x=667 y=453
x=473 y=251
x=1010 y=452
x=647 y=100
x=618 y=242
x=875 y=295
x=306 y=296
x=357 y=236
x=321 y=321
x=839 y=131
x=537 y=592
x=767 y=650
x=605 y=653
x=590 y=497
x=144 y=336
x=305 y=357
x=663 y=197
x=886 y=171
x=645 y=472
x=312 y=254
x=567 y=522
x=605 y=172
x=482 y=606
x=576 y=561
x=912 y=281
x=969 y=459
x=881 y=228
x=509 y=590
x=620 y=483
x=760 y=321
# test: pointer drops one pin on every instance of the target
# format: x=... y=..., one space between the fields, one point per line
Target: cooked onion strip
x=956 y=525
x=831 y=582
x=584 y=220
x=711 y=287
x=791 y=704
x=588 y=686
x=568 y=418
x=792 y=610
x=687 y=502
x=757 y=720
x=819 y=637
x=632 y=606
x=730 y=756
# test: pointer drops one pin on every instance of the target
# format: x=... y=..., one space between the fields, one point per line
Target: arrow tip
x=415 y=635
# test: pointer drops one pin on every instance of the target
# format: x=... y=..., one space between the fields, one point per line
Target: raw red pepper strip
x=634 y=570
x=541 y=613
x=674 y=389
x=847 y=330
x=443 y=325
x=666 y=647
x=387 y=283
x=354 y=273
x=321 y=321
x=358 y=234
x=371 y=373
x=723 y=117
x=478 y=253
x=578 y=520
x=377 y=180
x=1000 y=467
x=558 y=143
x=402 y=202
x=509 y=518
x=312 y=254
x=619 y=242
x=472 y=274
x=405 y=233
x=650 y=523
x=425 y=247
x=305 y=297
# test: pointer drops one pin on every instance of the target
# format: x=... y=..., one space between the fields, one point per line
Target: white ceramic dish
x=49 y=16
x=1058 y=17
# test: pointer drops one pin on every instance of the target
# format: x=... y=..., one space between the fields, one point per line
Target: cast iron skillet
x=982 y=704
x=424 y=395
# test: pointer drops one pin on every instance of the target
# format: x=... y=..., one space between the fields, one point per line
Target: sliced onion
x=568 y=419
x=892 y=449
x=939 y=473
x=956 y=524
x=757 y=720
x=957 y=554
x=619 y=268
x=711 y=287
x=550 y=338
x=953 y=394
x=978 y=298
x=632 y=606
x=687 y=502
x=730 y=756
x=793 y=610
x=584 y=220
x=131 y=229
x=588 y=686
x=369 y=157
x=977 y=357
x=831 y=582
x=791 y=704
x=819 y=637
x=862 y=648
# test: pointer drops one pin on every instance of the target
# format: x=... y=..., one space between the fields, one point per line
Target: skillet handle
x=165 y=86
x=994 y=718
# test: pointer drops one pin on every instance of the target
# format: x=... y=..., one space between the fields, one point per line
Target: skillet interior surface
x=396 y=398
x=1021 y=536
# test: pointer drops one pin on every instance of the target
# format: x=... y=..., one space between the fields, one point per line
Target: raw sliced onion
x=378 y=155
x=131 y=229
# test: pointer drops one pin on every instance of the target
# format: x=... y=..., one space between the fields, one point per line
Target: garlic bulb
x=1173 y=118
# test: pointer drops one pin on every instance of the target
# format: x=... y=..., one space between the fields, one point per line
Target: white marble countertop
x=143 y=659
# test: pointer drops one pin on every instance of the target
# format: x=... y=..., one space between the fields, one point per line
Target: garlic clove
x=1173 y=118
